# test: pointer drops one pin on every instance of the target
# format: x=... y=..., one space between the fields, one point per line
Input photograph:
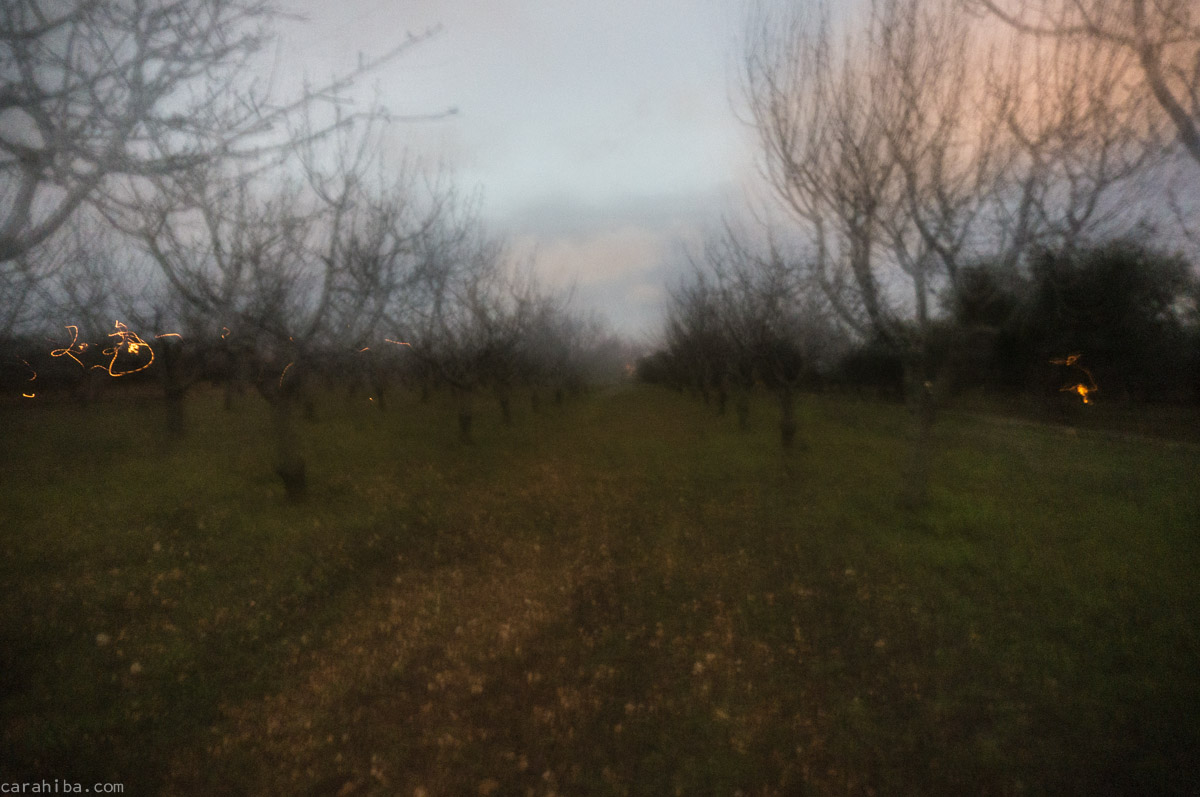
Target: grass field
x=625 y=596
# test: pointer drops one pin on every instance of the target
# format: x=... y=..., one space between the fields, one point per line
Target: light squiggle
x=73 y=348
x=131 y=344
x=32 y=378
x=1084 y=390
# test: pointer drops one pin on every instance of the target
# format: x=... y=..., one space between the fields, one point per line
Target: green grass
x=625 y=595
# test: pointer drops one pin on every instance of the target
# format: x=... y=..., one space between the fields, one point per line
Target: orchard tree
x=466 y=324
x=696 y=339
x=277 y=264
x=1158 y=39
x=900 y=158
x=383 y=259
x=96 y=90
x=774 y=326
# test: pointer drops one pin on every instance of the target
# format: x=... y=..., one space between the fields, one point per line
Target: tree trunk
x=173 y=401
x=289 y=462
x=502 y=395
x=787 y=417
x=922 y=405
x=175 y=387
x=235 y=384
x=465 y=417
x=743 y=410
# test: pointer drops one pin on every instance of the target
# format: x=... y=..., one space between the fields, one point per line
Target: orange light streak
x=284 y=372
x=32 y=378
x=399 y=342
x=132 y=344
x=1084 y=391
x=169 y=335
x=72 y=348
x=224 y=332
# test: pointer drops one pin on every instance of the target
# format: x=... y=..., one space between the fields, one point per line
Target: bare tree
x=696 y=339
x=99 y=297
x=95 y=90
x=1161 y=38
x=264 y=264
x=773 y=317
x=243 y=263
x=386 y=237
x=825 y=112
x=904 y=155
x=466 y=325
x=746 y=315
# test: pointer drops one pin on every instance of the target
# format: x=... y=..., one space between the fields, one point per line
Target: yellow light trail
x=132 y=344
x=1084 y=391
x=72 y=348
x=32 y=378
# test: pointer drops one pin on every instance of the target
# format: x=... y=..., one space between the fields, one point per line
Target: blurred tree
x=902 y=155
x=1162 y=38
x=696 y=339
x=1122 y=306
x=983 y=311
x=93 y=90
x=278 y=267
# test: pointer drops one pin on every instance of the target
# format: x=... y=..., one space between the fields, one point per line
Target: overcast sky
x=603 y=136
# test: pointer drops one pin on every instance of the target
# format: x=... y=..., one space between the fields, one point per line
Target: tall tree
x=897 y=153
x=1161 y=38
x=95 y=90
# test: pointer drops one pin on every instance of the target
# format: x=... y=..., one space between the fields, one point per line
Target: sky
x=603 y=137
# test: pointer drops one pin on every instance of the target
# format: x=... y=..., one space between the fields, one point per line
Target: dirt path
x=424 y=669
x=409 y=647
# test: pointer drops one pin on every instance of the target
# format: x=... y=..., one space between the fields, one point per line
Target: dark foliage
x=1124 y=308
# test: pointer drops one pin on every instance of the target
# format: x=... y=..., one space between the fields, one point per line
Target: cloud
x=581 y=243
x=603 y=256
x=617 y=255
x=647 y=293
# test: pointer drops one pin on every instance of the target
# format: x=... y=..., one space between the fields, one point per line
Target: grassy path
x=627 y=597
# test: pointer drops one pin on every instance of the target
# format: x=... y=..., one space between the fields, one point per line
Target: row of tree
x=1124 y=313
x=334 y=278
x=149 y=178
x=948 y=175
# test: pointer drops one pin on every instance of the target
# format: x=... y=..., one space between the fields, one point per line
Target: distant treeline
x=1119 y=317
